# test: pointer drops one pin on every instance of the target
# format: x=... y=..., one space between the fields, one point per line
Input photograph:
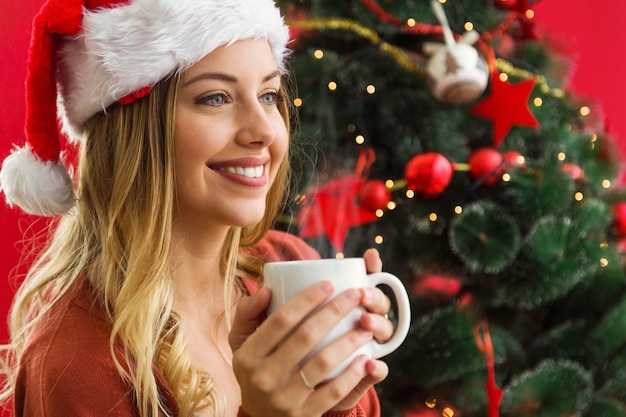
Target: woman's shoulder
x=282 y=246
x=66 y=365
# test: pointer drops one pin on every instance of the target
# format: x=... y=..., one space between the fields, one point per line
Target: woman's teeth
x=250 y=172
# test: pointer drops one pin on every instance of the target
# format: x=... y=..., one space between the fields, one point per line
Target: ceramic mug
x=289 y=278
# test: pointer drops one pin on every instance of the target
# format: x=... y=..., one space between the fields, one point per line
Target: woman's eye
x=215 y=99
x=269 y=98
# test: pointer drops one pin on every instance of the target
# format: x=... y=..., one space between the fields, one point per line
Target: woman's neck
x=197 y=272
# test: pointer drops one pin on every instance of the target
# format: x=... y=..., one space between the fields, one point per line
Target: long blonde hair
x=118 y=236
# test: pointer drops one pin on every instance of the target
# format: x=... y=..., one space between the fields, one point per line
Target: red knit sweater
x=67 y=370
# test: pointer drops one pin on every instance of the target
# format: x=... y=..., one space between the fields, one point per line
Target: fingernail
x=353 y=295
x=367 y=334
x=326 y=287
x=362 y=358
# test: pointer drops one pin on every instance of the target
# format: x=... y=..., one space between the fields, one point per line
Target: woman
x=146 y=300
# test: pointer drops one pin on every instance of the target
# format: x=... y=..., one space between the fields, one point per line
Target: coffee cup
x=289 y=278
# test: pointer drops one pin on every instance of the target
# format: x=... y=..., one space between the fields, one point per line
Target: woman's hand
x=377 y=305
x=266 y=355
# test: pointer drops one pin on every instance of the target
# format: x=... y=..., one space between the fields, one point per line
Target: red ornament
x=486 y=164
x=619 y=219
x=506 y=106
x=437 y=288
x=514 y=159
x=428 y=173
x=374 y=195
x=573 y=170
x=333 y=210
x=494 y=392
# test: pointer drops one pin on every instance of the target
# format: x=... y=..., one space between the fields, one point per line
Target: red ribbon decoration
x=494 y=393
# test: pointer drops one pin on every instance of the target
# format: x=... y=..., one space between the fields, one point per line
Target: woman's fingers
x=328 y=359
x=373 y=263
x=285 y=319
x=377 y=371
x=311 y=331
x=247 y=317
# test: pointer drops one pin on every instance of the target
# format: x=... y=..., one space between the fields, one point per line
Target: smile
x=249 y=172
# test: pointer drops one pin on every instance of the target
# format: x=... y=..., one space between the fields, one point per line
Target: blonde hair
x=118 y=236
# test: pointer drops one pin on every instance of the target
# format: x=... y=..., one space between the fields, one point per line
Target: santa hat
x=86 y=55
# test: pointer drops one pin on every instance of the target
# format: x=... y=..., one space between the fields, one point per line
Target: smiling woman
x=146 y=299
x=230 y=137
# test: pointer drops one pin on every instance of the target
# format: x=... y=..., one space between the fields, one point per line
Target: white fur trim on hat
x=39 y=187
x=129 y=47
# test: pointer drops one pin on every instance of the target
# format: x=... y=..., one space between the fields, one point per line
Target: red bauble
x=514 y=159
x=374 y=195
x=619 y=219
x=573 y=170
x=486 y=165
x=428 y=173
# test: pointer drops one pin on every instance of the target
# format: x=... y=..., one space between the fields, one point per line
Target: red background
x=587 y=29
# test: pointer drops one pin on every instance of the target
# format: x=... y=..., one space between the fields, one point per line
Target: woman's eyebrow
x=226 y=77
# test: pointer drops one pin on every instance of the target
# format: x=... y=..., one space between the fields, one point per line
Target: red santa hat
x=88 y=54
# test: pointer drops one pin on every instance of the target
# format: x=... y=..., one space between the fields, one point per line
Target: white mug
x=287 y=279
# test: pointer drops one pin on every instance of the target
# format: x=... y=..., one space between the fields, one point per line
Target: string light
x=604 y=262
x=431 y=403
x=410 y=193
x=606 y=184
x=503 y=76
x=318 y=54
x=432 y=217
x=537 y=101
x=300 y=199
x=530 y=13
x=506 y=177
x=297 y=102
x=332 y=86
x=391 y=205
x=458 y=209
x=585 y=111
x=540 y=80
x=594 y=137
x=351 y=128
x=561 y=156
x=604 y=245
x=360 y=139
x=579 y=196
x=410 y=22
x=447 y=412
x=378 y=240
x=389 y=184
x=380 y=213
x=469 y=26
x=370 y=89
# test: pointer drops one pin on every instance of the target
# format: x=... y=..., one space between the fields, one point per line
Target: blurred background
x=576 y=38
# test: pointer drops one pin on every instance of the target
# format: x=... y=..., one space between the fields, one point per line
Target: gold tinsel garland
x=403 y=58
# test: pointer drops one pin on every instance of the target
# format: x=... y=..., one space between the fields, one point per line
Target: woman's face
x=229 y=137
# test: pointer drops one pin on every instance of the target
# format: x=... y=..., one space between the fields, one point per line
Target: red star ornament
x=506 y=106
x=333 y=210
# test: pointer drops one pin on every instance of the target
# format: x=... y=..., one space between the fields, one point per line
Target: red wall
x=590 y=30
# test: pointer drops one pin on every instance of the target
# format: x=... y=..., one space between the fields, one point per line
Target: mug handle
x=404 y=313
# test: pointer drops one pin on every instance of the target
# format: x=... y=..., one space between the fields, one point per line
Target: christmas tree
x=439 y=133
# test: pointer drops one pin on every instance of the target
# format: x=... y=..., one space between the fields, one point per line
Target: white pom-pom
x=38 y=187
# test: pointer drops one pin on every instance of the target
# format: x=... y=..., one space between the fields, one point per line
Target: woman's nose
x=256 y=126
